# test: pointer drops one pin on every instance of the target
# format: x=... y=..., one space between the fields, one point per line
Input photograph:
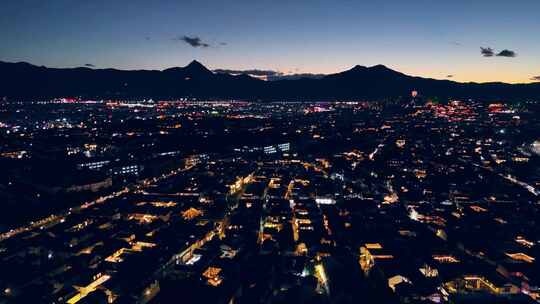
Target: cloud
x=537 y=78
x=89 y=65
x=270 y=75
x=507 y=53
x=194 y=41
x=489 y=52
x=254 y=72
x=296 y=76
x=486 y=52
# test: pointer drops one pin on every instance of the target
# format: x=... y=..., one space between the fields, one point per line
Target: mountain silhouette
x=25 y=81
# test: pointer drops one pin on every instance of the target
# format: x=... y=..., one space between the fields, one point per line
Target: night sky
x=431 y=38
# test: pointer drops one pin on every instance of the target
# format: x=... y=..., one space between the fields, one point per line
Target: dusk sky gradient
x=423 y=38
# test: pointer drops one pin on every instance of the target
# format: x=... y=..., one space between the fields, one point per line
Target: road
x=61 y=217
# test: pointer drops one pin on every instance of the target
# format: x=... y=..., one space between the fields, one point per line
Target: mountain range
x=25 y=81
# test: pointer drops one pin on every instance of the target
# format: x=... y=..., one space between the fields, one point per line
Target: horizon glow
x=419 y=38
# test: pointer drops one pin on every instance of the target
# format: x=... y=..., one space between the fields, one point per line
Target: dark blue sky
x=427 y=38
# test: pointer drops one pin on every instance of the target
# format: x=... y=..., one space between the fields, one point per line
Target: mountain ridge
x=23 y=80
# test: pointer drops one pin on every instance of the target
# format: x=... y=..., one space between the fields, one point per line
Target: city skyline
x=480 y=42
x=269 y=152
x=406 y=200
